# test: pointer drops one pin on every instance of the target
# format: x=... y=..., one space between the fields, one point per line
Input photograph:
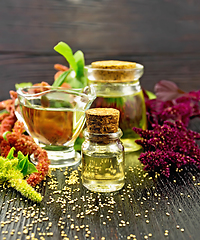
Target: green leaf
x=3 y=111
x=22 y=85
x=84 y=80
x=20 y=155
x=31 y=168
x=5 y=134
x=118 y=102
x=11 y=154
x=150 y=94
x=80 y=61
x=61 y=79
x=76 y=62
x=2 y=162
x=66 y=51
x=24 y=165
x=78 y=143
x=74 y=82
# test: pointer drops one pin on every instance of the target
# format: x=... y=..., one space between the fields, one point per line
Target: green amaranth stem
x=25 y=189
x=9 y=173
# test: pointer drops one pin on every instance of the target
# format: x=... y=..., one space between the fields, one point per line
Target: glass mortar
x=121 y=89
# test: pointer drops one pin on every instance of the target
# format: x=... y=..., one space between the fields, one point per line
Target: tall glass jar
x=119 y=87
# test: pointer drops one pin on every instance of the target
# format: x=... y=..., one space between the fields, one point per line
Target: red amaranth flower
x=26 y=145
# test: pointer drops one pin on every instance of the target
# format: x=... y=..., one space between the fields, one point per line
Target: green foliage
x=61 y=79
x=80 y=62
x=118 y=102
x=76 y=62
x=23 y=85
x=11 y=154
x=3 y=111
x=24 y=165
x=78 y=143
x=14 y=169
x=66 y=51
x=5 y=134
x=150 y=94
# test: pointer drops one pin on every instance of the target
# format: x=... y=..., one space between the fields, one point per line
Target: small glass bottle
x=102 y=151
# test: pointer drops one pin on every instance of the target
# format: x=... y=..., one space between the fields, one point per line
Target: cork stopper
x=114 y=70
x=102 y=120
x=113 y=64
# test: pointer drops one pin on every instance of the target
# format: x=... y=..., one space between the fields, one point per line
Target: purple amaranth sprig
x=168 y=146
x=163 y=162
x=180 y=111
x=172 y=104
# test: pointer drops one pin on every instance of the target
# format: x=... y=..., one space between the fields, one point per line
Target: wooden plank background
x=163 y=35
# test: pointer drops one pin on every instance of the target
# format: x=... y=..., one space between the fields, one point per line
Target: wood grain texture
x=162 y=35
x=111 y=26
x=182 y=69
x=149 y=208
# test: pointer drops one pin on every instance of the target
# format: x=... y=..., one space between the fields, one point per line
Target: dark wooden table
x=163 y=36
x=146 y=208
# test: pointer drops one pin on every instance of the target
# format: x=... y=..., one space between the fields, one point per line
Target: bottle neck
x=103 y=138
x=107 y=89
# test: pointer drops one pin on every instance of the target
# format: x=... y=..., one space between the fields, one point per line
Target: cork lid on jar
x=114 y=70
x=113 y=64
x=102 y=120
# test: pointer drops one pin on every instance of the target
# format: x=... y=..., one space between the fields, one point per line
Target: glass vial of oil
x=102 y=151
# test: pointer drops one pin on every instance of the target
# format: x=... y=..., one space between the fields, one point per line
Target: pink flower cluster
x=168 y=147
